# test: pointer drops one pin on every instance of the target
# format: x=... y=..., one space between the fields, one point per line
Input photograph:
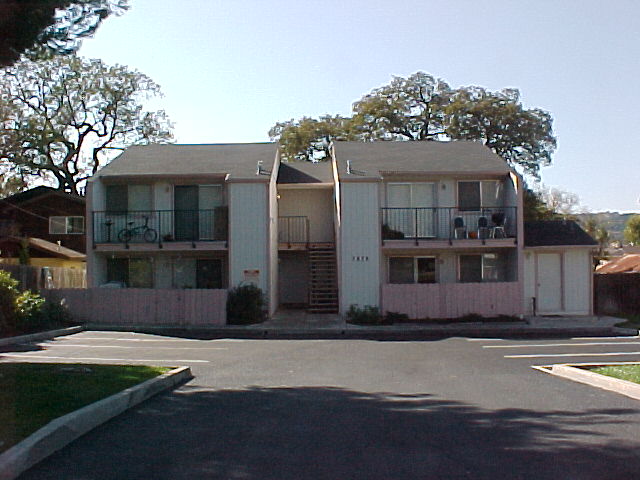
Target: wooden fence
x=452 y=300
x=616 y=293
x=37 y=278
x=144 y=307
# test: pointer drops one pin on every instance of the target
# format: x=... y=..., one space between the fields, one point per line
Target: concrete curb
x=623 y=387
x=60 y=432
x=355 y=332
x=34 y=337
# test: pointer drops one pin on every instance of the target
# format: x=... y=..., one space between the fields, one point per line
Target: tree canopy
x=632 y=230
x=422 y=107
x=63 y=118
x=50 y=26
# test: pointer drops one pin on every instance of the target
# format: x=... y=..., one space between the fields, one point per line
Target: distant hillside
x=614 y=222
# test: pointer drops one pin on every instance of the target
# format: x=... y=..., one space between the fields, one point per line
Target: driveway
x=335 y=409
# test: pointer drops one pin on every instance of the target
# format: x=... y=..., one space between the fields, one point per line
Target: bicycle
x=147 y=233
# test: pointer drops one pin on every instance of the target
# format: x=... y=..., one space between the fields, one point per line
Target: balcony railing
x=160 y=226
x=448 y=223
x=293 y=230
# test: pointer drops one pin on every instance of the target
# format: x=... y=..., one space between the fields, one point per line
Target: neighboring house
x=558 y=268
x=431 y=229
x=41 y=253
x=45 y=213
x=49 y=224
x=629 y=263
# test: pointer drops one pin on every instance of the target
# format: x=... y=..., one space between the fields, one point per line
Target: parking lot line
x=560 y=345
x=542 y=355
x=62 y=345
x=51 y=357
x=141 y=339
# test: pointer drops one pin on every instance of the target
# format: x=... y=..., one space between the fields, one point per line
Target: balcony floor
x=154 y=246
x=442 y=244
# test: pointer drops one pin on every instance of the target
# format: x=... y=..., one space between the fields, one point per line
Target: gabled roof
x=374 y=159
x=551 y=233
x=625 y=264
x=38 y=192
x=305 y=172
x=238 y=160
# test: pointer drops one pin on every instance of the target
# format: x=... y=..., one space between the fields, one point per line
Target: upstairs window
x=475 y=194
x=128 y=198
x=66 y=225
x=469 y=198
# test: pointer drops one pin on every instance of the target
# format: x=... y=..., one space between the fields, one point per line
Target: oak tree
x=38 y=27
x=63 y=118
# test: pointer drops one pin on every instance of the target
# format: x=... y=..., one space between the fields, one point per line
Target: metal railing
x=293 y=229
x=160 y=226
x=448 y=223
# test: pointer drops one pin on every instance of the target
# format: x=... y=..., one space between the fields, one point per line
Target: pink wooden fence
x=141 y=306
x=452 y=300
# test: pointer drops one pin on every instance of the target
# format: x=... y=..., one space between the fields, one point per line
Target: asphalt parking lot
x=452 y=408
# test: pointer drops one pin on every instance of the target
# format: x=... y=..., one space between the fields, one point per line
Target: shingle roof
x=36 y=192
x=238 y=160
x=305 y=172
x=51 y=248
x=625 y=264
x=368 y=159
x=547 y=233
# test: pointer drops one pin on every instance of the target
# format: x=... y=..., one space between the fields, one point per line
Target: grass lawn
x=33 y=394
x=623 y=372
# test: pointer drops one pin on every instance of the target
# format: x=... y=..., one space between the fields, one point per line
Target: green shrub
x=8 y=294
x=471 y=318
x=245 y=305
x=367 y=315
x=395 y=317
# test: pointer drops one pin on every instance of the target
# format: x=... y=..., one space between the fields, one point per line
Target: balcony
x=448 y=223
x=160 y=226
x=293 y=230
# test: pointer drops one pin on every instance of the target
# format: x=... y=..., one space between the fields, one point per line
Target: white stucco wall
x=248 y=232
x=360 y=245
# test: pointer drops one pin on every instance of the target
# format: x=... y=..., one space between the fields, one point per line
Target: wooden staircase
x=323 y=284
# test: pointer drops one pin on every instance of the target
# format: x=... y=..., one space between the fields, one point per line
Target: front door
x=549 y=282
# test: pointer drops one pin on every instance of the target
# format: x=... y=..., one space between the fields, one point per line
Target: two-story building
x=430 y=229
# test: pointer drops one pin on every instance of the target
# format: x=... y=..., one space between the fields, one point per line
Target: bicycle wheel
x=150 y=235
x=124 y=235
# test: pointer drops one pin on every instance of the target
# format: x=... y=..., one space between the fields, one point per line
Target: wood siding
x=452 y=300
x=144 y=307
x=360 y=246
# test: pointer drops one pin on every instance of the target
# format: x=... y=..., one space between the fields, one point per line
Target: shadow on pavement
x=335 y=433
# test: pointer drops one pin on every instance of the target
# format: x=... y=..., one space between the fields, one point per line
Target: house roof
x=50 y=248
x=305 y=172
x=624 y=264
x=548 y=233
x=238 y=160
x=374 y=159
x=38 y=192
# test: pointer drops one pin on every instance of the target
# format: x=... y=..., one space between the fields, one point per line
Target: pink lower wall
x=452 y=300
x=142 y=306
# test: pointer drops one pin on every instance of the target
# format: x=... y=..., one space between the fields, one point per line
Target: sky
x=231 y=69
